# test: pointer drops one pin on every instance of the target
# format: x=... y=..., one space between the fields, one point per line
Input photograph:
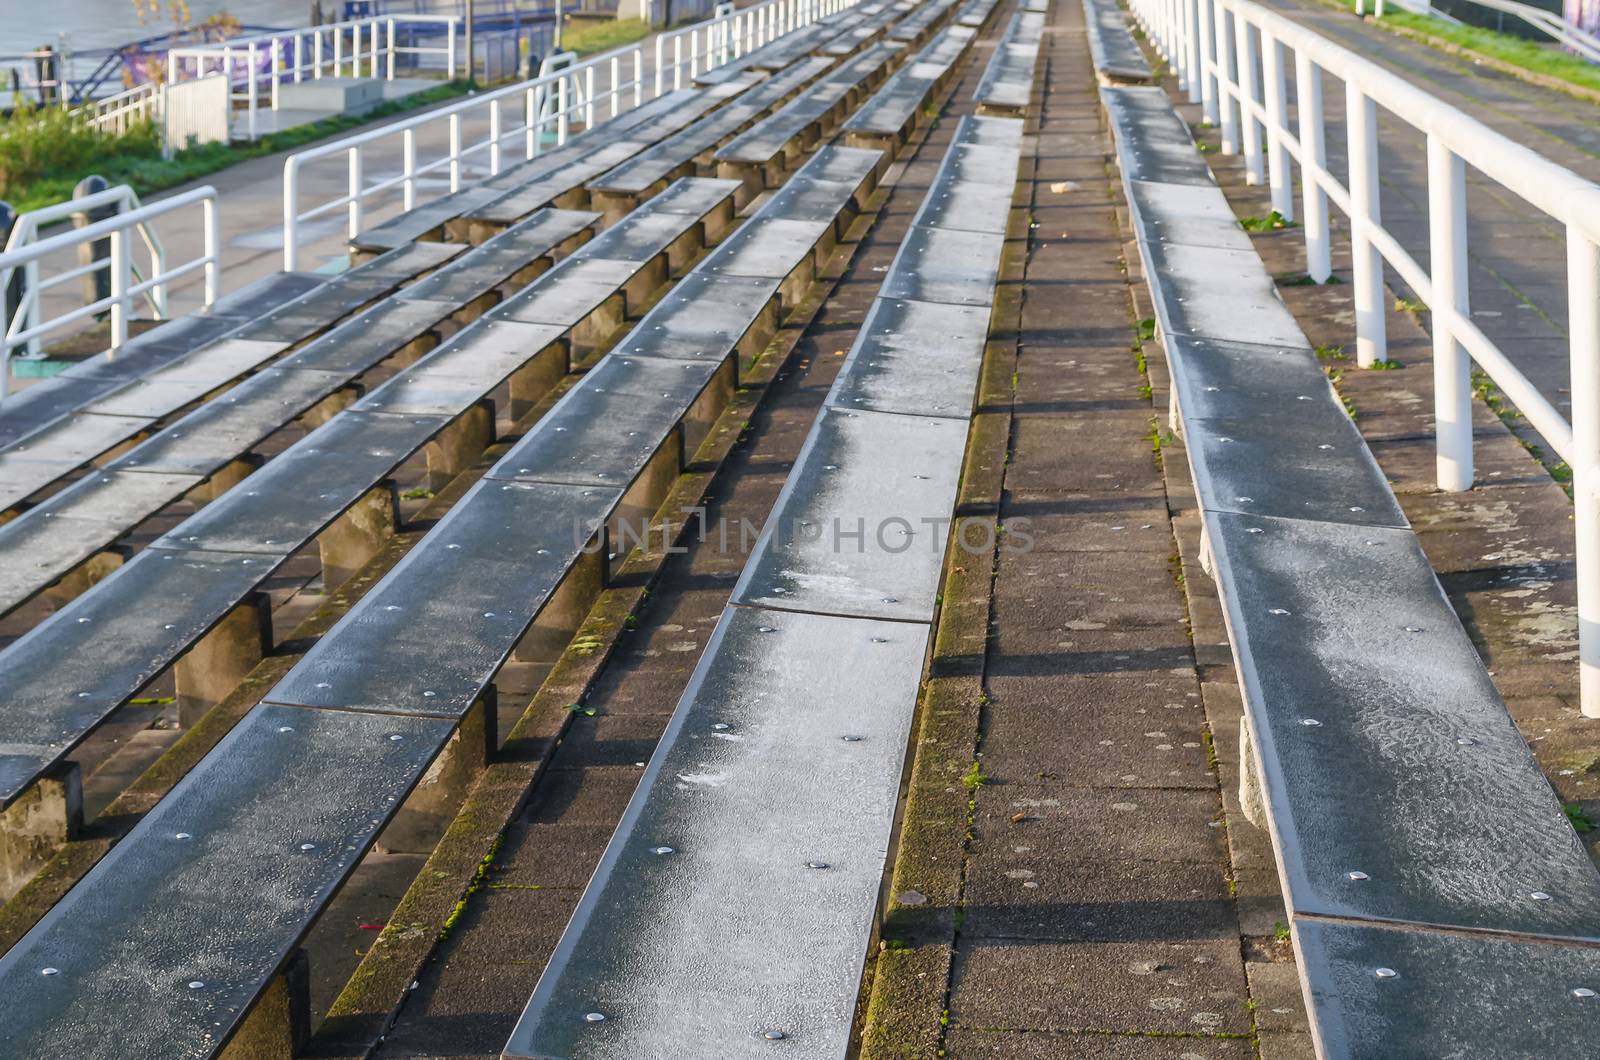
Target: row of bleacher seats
x=807 y=689
x=1439 y=901
x=327 y=759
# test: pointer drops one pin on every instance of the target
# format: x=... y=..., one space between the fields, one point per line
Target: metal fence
x=257 y=67
x=520 y=116
x=129 y=285
x=1234 y=57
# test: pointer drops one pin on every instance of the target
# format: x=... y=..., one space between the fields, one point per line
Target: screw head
x=1582 y=991
x=1357 y=875
x=594 y=1017
x=816 y=864
x=196 y=985
x=1276 y=611
x=1386 y=973
x=57 y=971
x=774 y=1036
x=1539 y=896
x=661 y=850
x=1311 y=723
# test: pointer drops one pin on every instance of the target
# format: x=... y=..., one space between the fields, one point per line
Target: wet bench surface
x=768 y=139
x=895 y=108
x=42 y=404
x=122 y=413
x=807 y=690
x=173 y=937
x=663 y=160
x=225 y=428
x=1439 y=900
x=1111 y=45
x=274 y=514
x=1007 y=83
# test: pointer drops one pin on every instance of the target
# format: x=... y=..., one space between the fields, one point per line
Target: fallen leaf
x=1061 y=187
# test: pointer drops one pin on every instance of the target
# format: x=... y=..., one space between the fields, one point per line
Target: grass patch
x=124 y=161
x=1580 y=820
x=974 y=777
x=1270 y=223
x=590 y=38
x=1409 y=305
x=1528 y=55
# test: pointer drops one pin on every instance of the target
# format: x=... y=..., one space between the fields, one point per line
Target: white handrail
x=1216 y=47
x=584 y=93
x=25 y=252
x=258 y=65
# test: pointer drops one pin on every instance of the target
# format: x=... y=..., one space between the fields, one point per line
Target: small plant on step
x=1270 y=223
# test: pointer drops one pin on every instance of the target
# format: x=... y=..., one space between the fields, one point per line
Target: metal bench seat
x=808 y=686
x=245 y=889
x=895 y=110
x=121 y=413
x=42 y=404
x=620 y=188
x=976 y=13
x=1117 y=58
x=1439 y=900
x=220 y=432
x=764 y=153
x=1007 y=84
x=923 y=20
x=427 y=406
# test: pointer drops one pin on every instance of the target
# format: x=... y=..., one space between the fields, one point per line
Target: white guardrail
x=563 y=95
x=129 y=284
x=362 y=47
x=1230 y=56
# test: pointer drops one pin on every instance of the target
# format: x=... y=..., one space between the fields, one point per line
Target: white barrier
x=1216 y=48
x=563 y=95
x=25 y=251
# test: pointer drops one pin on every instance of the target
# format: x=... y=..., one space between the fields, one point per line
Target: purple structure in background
x=1584 y=14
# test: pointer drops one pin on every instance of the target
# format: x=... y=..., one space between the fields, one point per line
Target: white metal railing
x=1232 y=57
x=256 y=67
x=115 y=115
x=1550 y=23
x=518 y=117
x=25 y=251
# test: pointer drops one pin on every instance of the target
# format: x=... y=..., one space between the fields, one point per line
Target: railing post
x=250 y=87
x=588 y=97
x=119 y=288
x=356 y=181
x=494 y=137
x=530 y=108
x=213 y=245
x=291 y=220
x=277 y=71
x=616 y=85
x=661 y=73
x=1308 y=90
x=1361 y=126
x=1249 y=95
x=390 y=63
x=1193 y=73
x=450 y=45
x=1206 y=37
x=638 y=76
x=1452 y=368
x=561 y=108
x=1272 y=74
x=455 y=152
x=316 y=56
x=1583 y=330
x=1225 y=80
